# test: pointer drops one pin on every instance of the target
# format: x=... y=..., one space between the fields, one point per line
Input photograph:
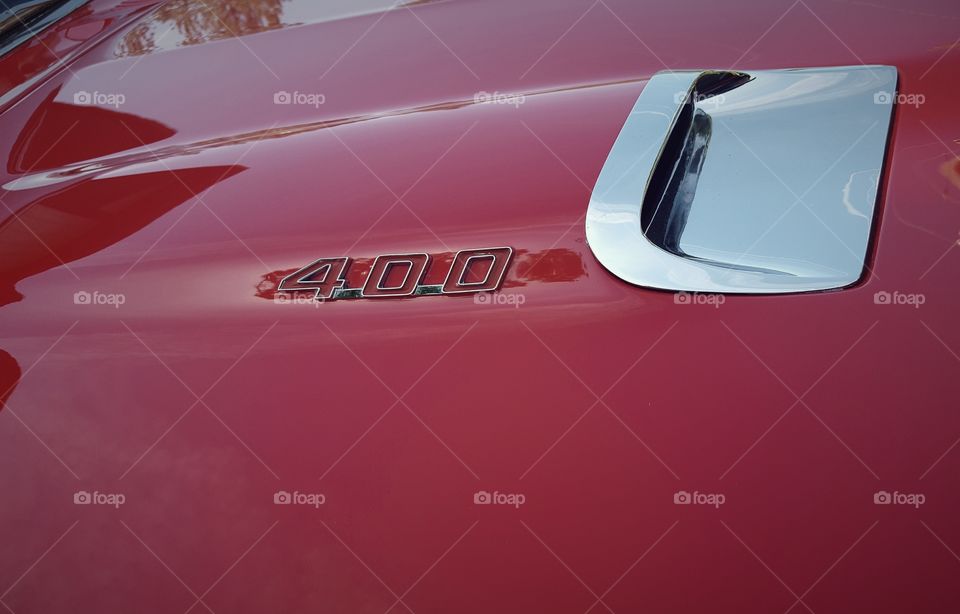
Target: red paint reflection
x=87 y=217
x=83 y=218
x=77 y=133
x=9 y=376
x=545 y=266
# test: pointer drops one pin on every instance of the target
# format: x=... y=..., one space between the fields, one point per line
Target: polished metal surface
x=759 y=182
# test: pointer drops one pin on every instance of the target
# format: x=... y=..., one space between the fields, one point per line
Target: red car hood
x=178 y=160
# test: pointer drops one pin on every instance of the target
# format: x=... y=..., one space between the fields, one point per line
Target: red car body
x=180 y=382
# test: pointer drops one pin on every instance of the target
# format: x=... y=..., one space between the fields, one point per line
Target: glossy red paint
x=175 y=383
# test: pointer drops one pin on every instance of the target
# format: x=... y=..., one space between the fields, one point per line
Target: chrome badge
x=398 y=275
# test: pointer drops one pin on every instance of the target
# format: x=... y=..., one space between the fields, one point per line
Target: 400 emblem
x=393 y=275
